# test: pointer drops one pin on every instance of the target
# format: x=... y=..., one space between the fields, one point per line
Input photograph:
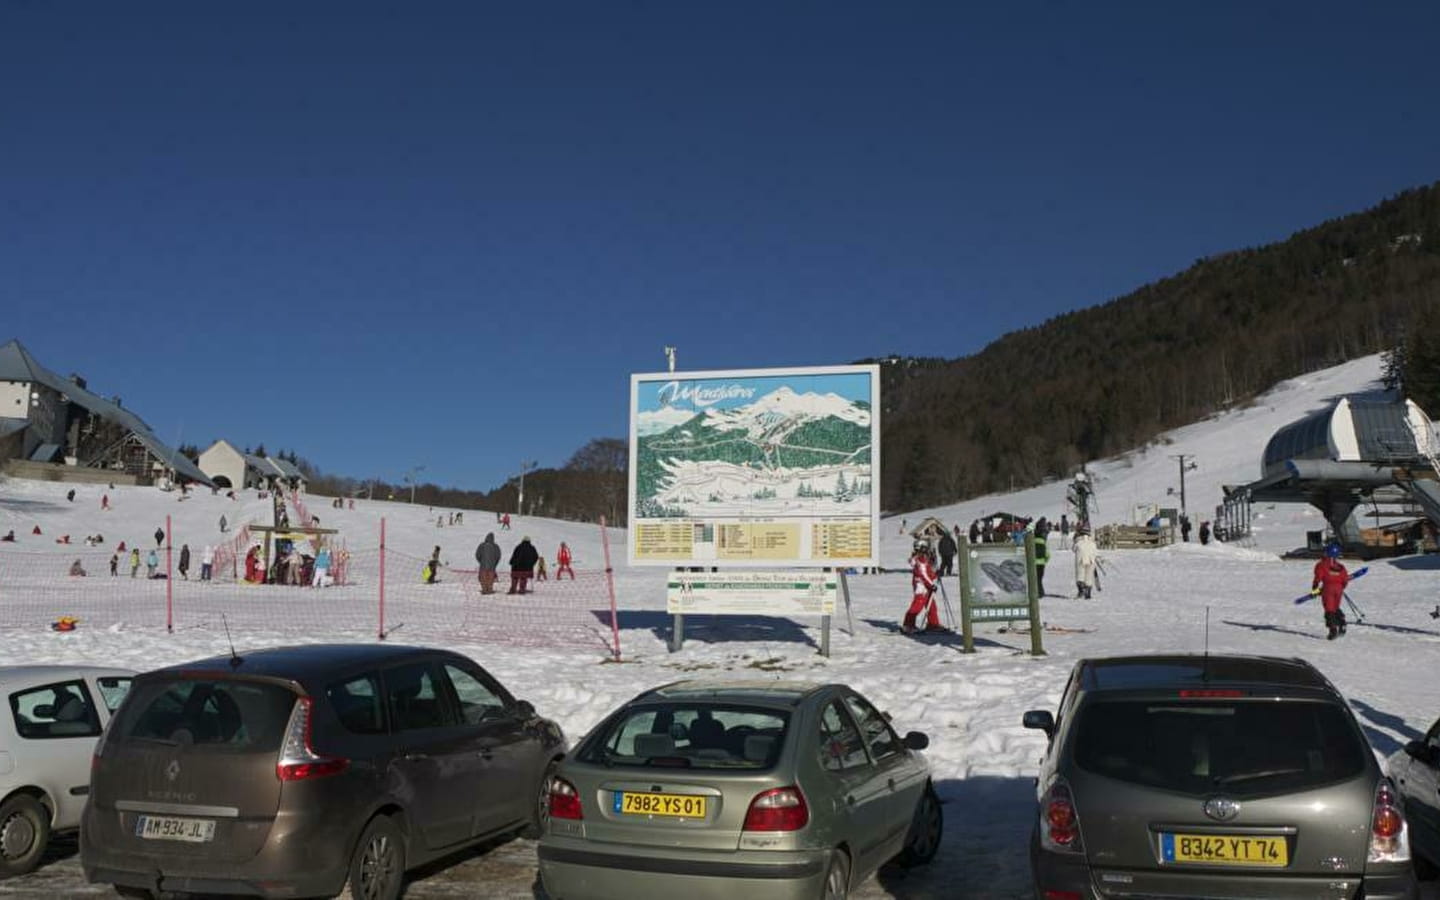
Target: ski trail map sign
x=755 y=468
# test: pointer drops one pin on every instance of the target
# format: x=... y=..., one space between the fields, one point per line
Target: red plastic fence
x=37 y=589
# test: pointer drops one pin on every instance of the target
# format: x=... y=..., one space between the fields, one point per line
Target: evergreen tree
x=1422 y=360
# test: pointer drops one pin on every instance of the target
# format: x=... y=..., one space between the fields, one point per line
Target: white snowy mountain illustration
x=785 y=406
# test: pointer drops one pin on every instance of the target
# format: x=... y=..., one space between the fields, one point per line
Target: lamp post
x=525 y=466
x=410 y=480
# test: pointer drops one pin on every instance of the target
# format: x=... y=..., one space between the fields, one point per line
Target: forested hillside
x=1089 y=384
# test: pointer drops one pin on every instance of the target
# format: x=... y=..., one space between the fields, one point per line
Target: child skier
x=1328 y=584
x=562 y=560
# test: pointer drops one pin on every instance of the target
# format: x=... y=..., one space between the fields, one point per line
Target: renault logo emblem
x=172 y=772
x=1222 y=809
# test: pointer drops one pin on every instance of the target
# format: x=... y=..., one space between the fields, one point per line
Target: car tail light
x=298 y=759
x=1389 y=841
x=778 y=809
x=1059 y=820
x=564 y=800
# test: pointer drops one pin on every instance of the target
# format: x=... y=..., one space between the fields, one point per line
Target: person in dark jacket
x=487 y=554
x=975 y=532
x=947 y=555
x=159 y=536
x=1042 y=559
x=522 y=566
x=185 y=561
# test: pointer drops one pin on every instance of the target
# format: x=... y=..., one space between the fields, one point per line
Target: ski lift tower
x=1079 y=495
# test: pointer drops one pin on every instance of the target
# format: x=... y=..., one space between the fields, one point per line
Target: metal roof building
x=61 y=416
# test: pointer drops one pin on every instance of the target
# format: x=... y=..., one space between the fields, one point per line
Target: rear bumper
x=578 y=870
x=1063 y=875
x=168 y=880
x=305 y=855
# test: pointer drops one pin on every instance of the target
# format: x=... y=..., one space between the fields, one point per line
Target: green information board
x=998 y=584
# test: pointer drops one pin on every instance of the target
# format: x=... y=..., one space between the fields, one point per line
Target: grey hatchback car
x=713 y=790
x=290 y=772
x=1212 y=776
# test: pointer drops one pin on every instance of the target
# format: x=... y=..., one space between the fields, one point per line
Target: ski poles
x=949 y=613
x=1359 y=615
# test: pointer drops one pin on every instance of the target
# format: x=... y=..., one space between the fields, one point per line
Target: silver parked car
x=1212 y=776
x=52 y=718
x=726 y=789
x=1416 y=769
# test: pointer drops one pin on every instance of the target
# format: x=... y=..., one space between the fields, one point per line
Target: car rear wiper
x=1251 y=776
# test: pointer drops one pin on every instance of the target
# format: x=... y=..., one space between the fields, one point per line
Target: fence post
x=381 y=633
x=169 y=581
x=609 y=583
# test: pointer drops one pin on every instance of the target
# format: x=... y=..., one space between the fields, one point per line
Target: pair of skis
x=1359 y=615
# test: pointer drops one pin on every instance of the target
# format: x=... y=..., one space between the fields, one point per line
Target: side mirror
x=1041 y=719
x=916 y=740
x=524 y=709
x=1419 y=750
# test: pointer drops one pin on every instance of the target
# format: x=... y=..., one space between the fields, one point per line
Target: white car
x=51 y=718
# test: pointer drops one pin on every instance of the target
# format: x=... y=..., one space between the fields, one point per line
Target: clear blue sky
x=444 y=234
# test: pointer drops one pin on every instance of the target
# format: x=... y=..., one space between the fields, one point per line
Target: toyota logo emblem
x=172 y=771
x=1222 y=809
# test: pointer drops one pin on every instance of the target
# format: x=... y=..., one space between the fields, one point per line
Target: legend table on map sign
x=840 y=540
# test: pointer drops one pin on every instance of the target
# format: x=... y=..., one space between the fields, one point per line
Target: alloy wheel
x=377 y=866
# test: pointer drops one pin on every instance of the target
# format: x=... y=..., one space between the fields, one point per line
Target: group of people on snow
x=925 y=574
x=525 y=562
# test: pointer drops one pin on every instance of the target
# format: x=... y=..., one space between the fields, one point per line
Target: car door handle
x=486 y=754
x=891 y=782
x=850 y=799
x=415 y=757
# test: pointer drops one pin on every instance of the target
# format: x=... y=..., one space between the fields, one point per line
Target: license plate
x=1224 y=849
x=172 y=828
x=680 y=806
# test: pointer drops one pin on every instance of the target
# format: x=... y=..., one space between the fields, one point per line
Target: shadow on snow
x=718 y=629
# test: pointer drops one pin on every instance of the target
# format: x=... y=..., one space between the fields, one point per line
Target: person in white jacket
x=1086 y=555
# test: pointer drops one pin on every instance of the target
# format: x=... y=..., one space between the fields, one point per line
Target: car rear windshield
x=697 y=736
x=1239 y=746
x=241 y=715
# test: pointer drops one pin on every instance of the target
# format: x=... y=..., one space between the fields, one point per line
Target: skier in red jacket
x=562 y=562
x=1329 y=583
x=923 y=584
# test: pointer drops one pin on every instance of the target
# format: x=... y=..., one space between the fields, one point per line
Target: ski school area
x=554 y=646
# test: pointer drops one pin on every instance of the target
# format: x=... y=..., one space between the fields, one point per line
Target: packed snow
x=1185 y=597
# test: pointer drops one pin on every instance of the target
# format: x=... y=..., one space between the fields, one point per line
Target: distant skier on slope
x=1328 y=583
